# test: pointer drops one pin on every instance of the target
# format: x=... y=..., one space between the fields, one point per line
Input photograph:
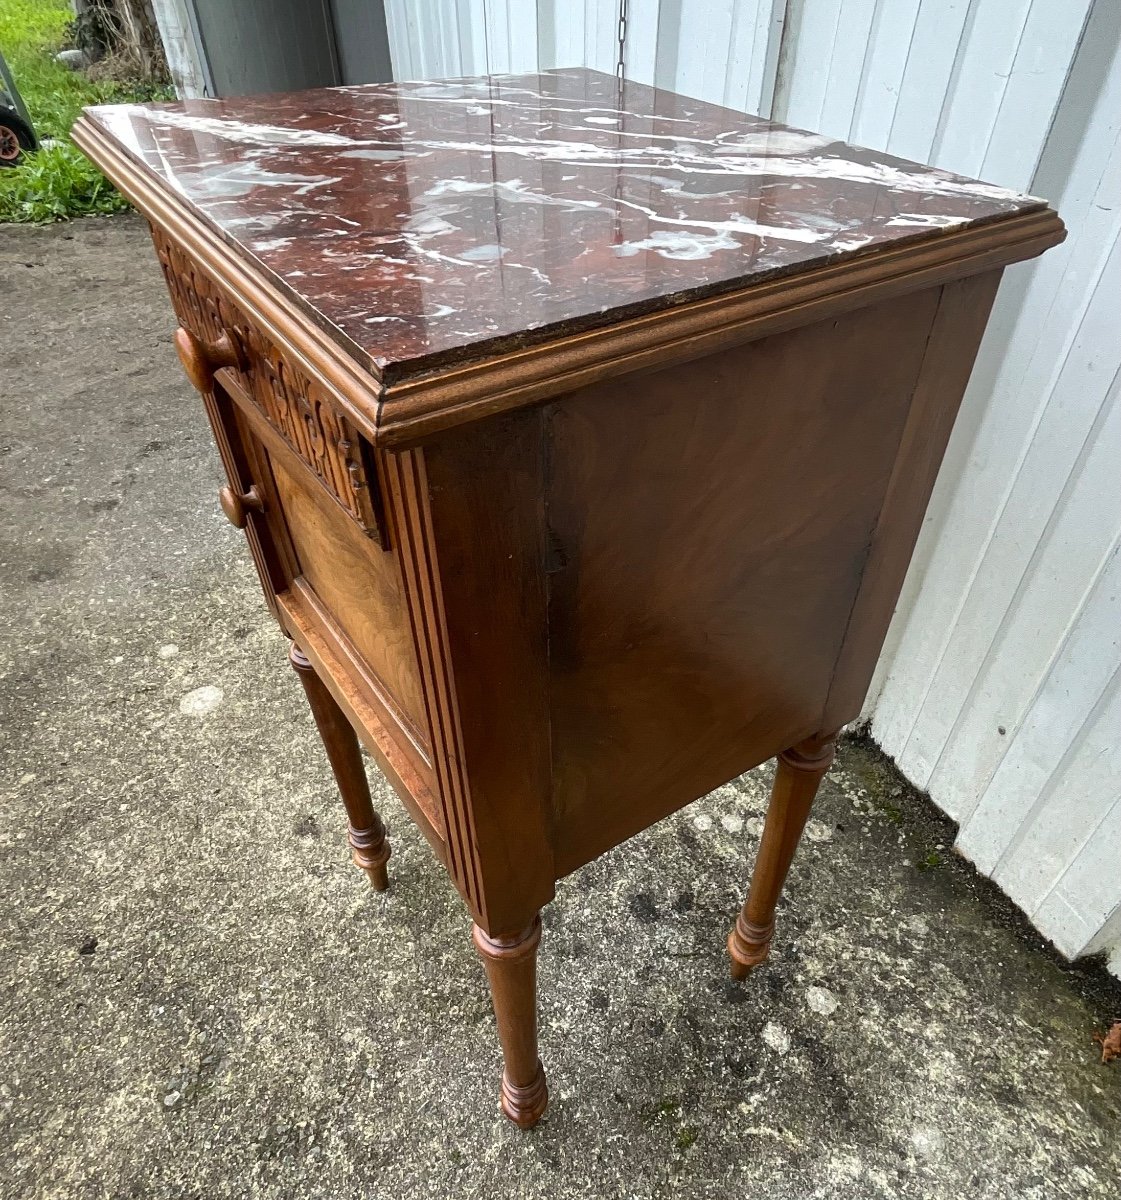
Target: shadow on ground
x=201 y=998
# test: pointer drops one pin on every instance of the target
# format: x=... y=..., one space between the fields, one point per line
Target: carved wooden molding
x=295 y=405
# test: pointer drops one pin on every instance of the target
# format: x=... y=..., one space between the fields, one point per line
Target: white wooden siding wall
x=725 y=51
x=1002 y=694
x=1000 y=688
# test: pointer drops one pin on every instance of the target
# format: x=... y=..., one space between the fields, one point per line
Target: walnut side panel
x=709 y=525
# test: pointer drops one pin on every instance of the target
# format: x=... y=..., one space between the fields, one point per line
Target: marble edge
x=425 y=403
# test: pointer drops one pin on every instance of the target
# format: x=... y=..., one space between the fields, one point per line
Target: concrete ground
x=201 y=997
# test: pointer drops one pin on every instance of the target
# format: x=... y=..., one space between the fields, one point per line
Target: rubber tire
x=13 y=121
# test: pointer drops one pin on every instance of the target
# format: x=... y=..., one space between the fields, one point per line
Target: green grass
x=55 y=184
x=58 y=182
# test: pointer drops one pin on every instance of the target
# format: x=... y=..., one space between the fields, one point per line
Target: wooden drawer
x=352 y=584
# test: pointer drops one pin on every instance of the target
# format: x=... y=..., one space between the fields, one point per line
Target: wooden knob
x=237 y=506
x=201 y=359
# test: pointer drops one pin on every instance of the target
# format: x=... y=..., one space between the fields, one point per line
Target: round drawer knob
x=238 y=505
x=201 y=359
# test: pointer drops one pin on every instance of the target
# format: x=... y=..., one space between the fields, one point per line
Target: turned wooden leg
x=368 y=845
x=797 y=776
x=511 y=965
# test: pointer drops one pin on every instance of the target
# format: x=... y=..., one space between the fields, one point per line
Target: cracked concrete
x=201 y=997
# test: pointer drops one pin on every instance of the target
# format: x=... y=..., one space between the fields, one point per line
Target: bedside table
x=580 y=433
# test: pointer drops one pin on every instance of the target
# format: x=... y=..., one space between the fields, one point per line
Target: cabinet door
x=346 y=583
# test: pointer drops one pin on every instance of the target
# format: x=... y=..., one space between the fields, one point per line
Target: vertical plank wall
x=999 y=691
x=725 y=51
x=999 y=688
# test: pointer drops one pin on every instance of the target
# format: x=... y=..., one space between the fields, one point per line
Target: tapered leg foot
x=511 y=965
x=369 y=847
x=748 y=945
x=369 y=851
x=525 y=1106
x=797 y=777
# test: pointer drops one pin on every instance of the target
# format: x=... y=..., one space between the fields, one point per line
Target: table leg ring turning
x=369 y=851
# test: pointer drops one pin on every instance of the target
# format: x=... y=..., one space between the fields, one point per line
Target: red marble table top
x=423 y=223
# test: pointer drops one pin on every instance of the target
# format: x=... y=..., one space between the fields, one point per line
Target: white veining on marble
x=925 y=220
x=224 y=181
x=245 y=132
x=514 y=190
x=735 y=224
x=439 y=215
x=782 y=154
x=682 y=246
